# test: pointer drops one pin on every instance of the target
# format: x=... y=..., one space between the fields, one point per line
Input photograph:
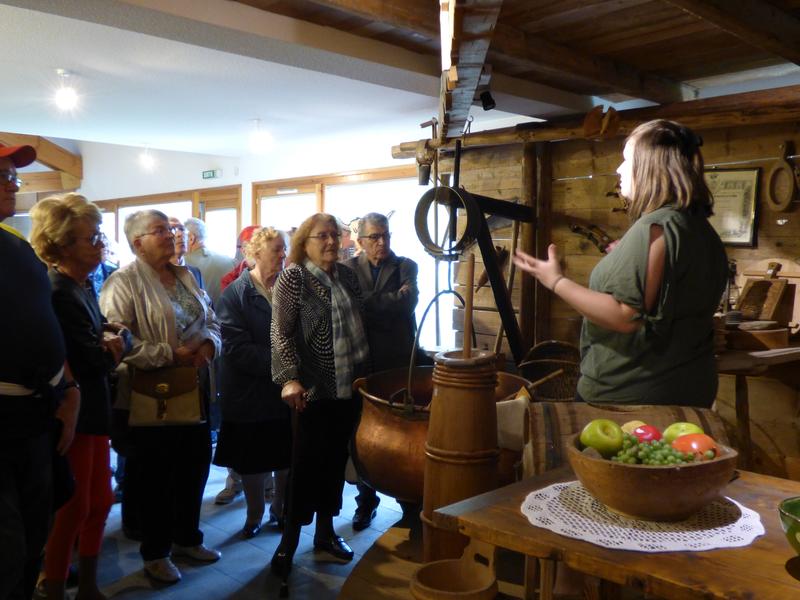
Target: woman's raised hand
x=548 y=272
x=294 y=394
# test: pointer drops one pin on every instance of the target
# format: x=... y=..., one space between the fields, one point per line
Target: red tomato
x=647 y=433
x=697 y=444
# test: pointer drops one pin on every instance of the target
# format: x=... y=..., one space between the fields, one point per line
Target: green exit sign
x=212 y=174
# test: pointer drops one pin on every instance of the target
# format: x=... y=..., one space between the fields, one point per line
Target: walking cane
x=287 y=503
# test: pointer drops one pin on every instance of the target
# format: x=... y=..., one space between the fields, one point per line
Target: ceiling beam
x=47 y=153
x=534 y=53
x=531 y=52
x=755 y=22
x=780 y=105
x=48 y=181
x=471 y=25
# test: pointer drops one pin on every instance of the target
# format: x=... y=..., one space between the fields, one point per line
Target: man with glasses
x=181 y=246
x=389 y=287
x=32 y=377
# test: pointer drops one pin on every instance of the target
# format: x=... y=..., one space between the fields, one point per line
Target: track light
x=65 y=98
x=487 y=101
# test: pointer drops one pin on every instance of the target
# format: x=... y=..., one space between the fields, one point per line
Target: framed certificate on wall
x=735 y=193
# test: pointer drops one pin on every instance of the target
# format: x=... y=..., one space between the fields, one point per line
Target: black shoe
x=335 y=546
x=250 y=531
x=364 y=515
x=281 y=563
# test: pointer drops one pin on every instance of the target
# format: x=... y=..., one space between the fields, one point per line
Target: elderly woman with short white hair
x=175 y=332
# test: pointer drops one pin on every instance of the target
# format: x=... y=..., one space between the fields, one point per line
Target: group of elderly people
x=292 y=342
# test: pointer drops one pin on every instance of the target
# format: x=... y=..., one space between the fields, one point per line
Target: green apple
x=631 y=425
x=604 y=435
x=676 y=430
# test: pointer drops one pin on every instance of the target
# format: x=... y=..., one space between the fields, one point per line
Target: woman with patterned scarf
x=318 y=348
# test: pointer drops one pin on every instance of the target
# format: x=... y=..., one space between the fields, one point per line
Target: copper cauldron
x=389 y=451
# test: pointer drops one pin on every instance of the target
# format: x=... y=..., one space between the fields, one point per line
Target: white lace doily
x=568 y=509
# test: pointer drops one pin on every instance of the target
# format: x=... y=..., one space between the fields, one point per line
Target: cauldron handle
x=408 y=402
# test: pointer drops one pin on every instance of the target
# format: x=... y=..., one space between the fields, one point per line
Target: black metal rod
x=504 y=208
x=501 y=296
x=453 y=224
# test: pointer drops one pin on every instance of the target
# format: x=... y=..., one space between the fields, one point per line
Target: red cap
x=248 y=232
x=21 y=156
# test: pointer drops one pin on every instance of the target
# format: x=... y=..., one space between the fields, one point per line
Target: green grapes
x=655 y=453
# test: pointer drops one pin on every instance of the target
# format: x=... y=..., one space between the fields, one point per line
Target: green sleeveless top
x=670 y=359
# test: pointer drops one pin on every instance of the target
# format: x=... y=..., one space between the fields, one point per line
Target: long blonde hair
x=667 y=169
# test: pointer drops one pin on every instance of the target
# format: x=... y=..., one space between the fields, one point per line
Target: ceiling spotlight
x=487 y=101
x=66 y=98
x=147 y=160
x=260 y=140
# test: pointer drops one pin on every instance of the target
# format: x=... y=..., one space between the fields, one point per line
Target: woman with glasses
x=318 y=349
x=66 y=236
x=172 y=326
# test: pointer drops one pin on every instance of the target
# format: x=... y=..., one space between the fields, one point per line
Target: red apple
x=647 y=433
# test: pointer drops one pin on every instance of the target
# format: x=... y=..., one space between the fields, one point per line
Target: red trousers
x=84 y=516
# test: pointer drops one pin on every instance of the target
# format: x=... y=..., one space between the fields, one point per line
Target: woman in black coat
x=255 y=437
x=66 y=236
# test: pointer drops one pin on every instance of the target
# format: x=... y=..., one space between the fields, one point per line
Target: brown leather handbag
x=165 y=396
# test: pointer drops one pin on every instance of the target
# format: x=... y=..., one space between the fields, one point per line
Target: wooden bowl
x=653 y=493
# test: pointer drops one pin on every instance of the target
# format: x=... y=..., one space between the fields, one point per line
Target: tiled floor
x=243 y=572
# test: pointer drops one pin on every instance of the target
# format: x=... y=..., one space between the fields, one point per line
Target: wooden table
x=743 y=364
x=763 y=570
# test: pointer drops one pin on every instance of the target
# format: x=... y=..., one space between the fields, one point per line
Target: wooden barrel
x=461 y=454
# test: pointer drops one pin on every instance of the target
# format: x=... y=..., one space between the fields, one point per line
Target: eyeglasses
x=10 y=177
x=95 y=240
x=160 y=232
x=325 y=236
x=377 y=237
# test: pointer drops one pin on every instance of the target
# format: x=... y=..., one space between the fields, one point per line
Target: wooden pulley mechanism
x=476 y=229
x=782 y=181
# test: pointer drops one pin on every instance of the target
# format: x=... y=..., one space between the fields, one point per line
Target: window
x=397 y=199
x=286 y=211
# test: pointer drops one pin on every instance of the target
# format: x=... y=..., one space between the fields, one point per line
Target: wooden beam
x=47 y=153
x=779 y=105
x=418 y=16
x=757 y=23
x=48 y=181
x=530 y=52
x=534 y=53
x=472 y=22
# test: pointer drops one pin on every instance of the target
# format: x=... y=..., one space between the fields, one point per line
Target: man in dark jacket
x=389 y=288
x=33 y=375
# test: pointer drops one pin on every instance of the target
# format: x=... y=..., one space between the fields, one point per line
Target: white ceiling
x=142 y=90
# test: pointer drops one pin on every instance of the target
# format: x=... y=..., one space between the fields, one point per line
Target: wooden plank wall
x=494 y=172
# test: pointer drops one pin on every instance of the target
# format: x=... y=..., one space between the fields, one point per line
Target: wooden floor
x=385 y=570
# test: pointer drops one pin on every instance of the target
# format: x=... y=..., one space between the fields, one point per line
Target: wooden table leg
x=531 y=577
x=743 y=422
x=547 y=578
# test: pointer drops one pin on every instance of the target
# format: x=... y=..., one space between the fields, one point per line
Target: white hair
x=197 y=227
x=136 y=224
x=376 y=219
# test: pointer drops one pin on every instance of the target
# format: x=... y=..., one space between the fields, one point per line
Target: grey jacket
x=213 y=267
x=389 y=313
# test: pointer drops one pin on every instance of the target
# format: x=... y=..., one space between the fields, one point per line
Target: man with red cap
x=33 y=378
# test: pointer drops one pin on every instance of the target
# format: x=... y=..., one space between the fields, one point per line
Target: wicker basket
x=553 y=380
x=555 y=350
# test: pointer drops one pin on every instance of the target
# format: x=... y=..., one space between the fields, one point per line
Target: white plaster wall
x=112 y=171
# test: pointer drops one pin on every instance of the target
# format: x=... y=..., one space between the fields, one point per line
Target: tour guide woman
x=647 y=335
x=318 y=349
